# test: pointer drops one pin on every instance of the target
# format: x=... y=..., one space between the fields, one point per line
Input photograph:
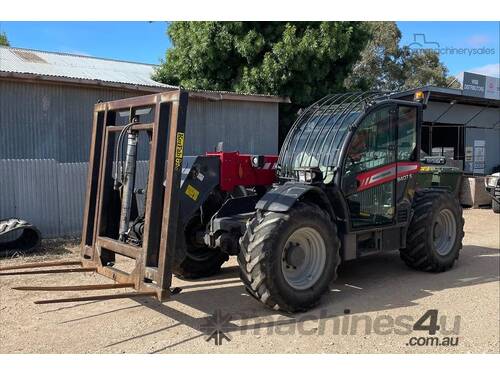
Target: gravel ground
x=370 y=309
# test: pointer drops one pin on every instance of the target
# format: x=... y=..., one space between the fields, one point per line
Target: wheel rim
x=303 y=258
x=444 y=232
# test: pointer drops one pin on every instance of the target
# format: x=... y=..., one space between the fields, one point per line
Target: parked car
x=492 y=184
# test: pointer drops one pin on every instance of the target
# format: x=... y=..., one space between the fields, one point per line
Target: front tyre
x=287 y=259
x=435 y=233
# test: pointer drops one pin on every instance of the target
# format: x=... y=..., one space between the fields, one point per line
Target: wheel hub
x=295 y=255
x=438 y=230
x=303 y=258
x=444 y=232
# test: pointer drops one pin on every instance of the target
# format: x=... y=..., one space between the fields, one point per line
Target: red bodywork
x=381 y=175
x=236 y=169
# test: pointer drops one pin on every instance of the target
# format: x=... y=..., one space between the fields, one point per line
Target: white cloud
x=492 y=70
x=478 y=40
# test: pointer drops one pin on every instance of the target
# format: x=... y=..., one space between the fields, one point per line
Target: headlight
x=491 y=181
x=306 y=175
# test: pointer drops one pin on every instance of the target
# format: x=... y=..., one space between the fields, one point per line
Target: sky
x=464 y=46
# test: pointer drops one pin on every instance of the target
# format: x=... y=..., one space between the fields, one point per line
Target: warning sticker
x=192 y=193
x=179 y=149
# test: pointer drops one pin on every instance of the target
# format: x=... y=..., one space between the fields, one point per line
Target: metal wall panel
x=48 y=194
x=30 y=191
x=248 y=127
x=71 y=182
x=45 y=132
x=48 y=121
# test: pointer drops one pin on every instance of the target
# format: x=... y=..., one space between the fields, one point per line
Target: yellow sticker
x=179 y=149
x=192 y=193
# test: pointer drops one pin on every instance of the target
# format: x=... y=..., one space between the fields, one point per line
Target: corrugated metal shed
x=62 y=65
x=48 y=121
x=46 y=110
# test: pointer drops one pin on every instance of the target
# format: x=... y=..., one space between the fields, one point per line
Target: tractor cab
x=367 y=144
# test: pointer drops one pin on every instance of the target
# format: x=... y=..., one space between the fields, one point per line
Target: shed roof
x=445 y=94
x=77 y=69
x=86 y=69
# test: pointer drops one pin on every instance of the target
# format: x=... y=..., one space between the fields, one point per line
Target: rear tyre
x=288 y=259
x=193 y=261
x=435 y=234
x=195 y=268
x=496 y=206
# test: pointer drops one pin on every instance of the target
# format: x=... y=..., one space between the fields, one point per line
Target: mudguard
x=283 y=197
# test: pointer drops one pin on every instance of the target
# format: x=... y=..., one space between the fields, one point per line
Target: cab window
x=373 y=143
x=407 y=134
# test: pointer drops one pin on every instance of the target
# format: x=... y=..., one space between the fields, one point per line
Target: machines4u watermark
x=431 y=328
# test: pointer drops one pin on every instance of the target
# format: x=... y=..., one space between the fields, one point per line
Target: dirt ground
x=371 y=308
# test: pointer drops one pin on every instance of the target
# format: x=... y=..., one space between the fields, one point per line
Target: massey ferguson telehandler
x=344 y=186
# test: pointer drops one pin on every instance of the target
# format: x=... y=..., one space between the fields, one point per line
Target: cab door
x=370 y=169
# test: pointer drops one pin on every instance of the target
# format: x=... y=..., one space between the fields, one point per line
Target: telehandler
x=344 y=186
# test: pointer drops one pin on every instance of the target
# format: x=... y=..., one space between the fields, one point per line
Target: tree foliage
x=425 y=68
x=3 y=39
x=387 y=66
x=302 y=60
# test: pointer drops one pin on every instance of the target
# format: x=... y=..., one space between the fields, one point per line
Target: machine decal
x=385 y=174
x=179 y=149
x=192 y=192
x=269 y=166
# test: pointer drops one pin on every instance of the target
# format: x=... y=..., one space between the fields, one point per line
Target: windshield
x=316 y=138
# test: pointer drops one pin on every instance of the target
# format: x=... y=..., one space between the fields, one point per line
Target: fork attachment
x=64 y=288
x=41 y=272
x=112 y=224
x=42 y=265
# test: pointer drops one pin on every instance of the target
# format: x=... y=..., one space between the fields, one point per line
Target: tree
x=425 y=68
x=385 y=65
x=302 y=60
x=379 y=67
x=3 y=39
